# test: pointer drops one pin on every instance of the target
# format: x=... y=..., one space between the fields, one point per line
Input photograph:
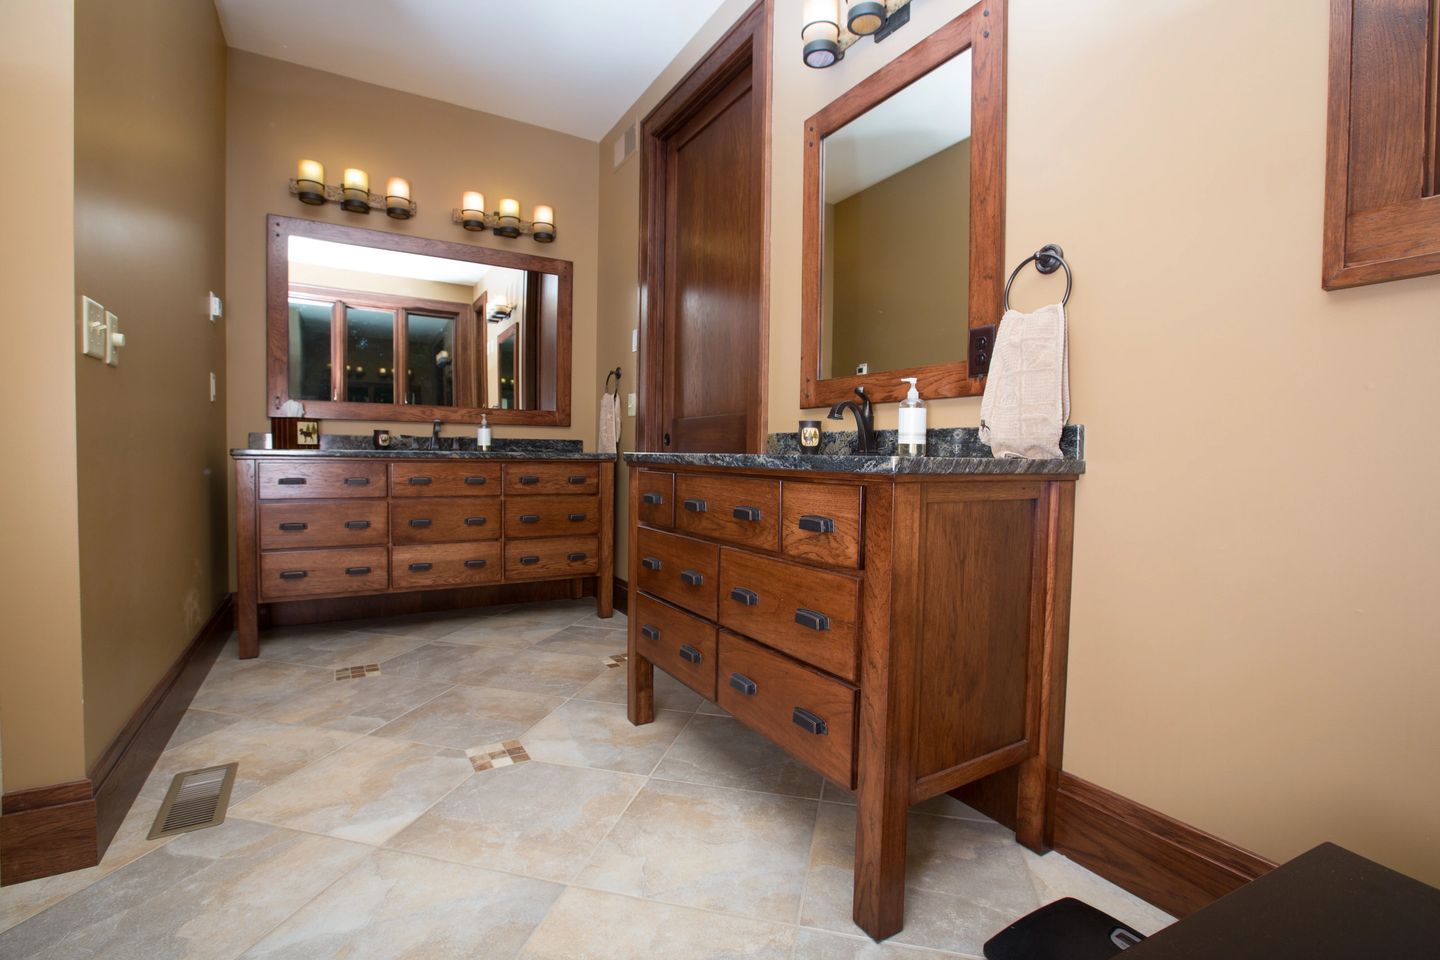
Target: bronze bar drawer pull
x=357 y=524
x=294 y=525
x=420 y=567
x=743 y=595
x=475 y=481
x=743 y=683
x=575 y=557
x=692 y=577
x=421 y=522
x=650 y=563
x=355 y=481
x=746 y=513
x=654 y=499
x=419 y=481
x=696 y=505
x=812 y=619
x=816 y=524
x=529 y=561
x=650 y=633
x=689 y=654
x=356 y=571
x=578 y=480
x=806 y=720
x=293 y=575
x=474 y=521
x=529 y=518
x=474 y=564
x=576 y=517
x=529 y=480
x=291 y=481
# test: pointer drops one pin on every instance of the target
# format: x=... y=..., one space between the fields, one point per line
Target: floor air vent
x=197 y=799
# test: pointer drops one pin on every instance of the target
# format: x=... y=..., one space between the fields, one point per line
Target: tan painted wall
x=41 y=714
x=341 y=279
x=1252 y=645
x=900 y=285
x=150 y=246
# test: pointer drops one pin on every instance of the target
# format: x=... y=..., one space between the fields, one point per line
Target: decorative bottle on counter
x=912 y=422
x=482 y=435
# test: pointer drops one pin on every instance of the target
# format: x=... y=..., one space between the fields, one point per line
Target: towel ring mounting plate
x=1047 y=260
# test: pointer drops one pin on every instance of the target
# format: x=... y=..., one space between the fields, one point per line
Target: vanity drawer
x=811 y=716
x=528 y=478
x=738 y=511
x=444 y=519
x=289 y=574
x=678 y=569
x=441 y=478
x=527 y=517
x=810 y=614
x=821 y=522
x=287 y=525
x=444 y=565
x=681 y=645
x=559 y=557
x=657 y=498
x=289 y=480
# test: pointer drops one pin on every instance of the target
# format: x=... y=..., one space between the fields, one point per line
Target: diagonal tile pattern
x=361 y=828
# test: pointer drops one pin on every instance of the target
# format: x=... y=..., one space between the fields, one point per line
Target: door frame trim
x=744 y=47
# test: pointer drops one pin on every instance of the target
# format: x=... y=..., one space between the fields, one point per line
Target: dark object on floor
x=1065 y=930
x=197 y=799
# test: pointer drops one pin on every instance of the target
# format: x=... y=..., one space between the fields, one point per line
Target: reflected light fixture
x=353 y=193
x=826 y=35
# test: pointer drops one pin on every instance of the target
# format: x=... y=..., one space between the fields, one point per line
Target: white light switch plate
x=114 y=339
x=635 y=340
x=217 y=309
x=92 y=328
x=212 y=387
x=630 y=405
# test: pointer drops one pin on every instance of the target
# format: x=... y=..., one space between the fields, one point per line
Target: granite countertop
x=425 y=454
x=830 y=463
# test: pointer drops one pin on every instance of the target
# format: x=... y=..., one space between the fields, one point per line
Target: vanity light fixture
x=353 y=194
x=506 y=220
x=826 y=40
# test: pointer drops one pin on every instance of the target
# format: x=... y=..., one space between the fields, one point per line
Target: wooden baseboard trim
x=622 y=596
x=1156 y=857
x=40 y=841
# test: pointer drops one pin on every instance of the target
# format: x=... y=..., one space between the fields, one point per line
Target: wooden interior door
x=705 y=249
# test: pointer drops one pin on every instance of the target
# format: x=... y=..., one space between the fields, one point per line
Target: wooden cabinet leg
x=605 y=597
x=247 y=626
x=880 y=832
x=640 y=684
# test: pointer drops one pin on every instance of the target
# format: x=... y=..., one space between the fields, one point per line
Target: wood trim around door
x=745 y=47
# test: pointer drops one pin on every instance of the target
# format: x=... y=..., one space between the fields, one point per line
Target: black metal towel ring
x=1047 y=260
x=613 y=375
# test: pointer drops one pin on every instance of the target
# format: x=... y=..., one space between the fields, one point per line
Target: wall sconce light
x=826 y=40
x=353 y=194
x=500 y=309
x=505 y=221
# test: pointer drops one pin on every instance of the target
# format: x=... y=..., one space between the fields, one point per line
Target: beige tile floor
x=360 y=829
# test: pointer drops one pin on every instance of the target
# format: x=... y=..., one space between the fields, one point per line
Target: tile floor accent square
x=494 y=755
x=618 y=660
x=356 y=673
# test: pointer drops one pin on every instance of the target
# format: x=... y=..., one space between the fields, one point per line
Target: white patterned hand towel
x=607 y=434
x=1027 y=394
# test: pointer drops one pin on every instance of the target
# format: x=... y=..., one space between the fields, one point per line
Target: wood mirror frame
x=280 y=229
x=981 y=29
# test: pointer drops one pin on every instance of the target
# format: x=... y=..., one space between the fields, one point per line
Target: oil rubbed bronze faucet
x=435 y=435
x=864 y=421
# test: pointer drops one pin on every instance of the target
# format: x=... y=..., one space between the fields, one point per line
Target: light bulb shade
x=356 y=179
x=310 y=182
x=398 y=205
x=543 y=229
x=822 y=21
x=508 y=223
x=510 y=208
x=472 y=211
x=398 y=187
x=473 y=200
x=820 y=54
x=865 y=17
x=355 y=191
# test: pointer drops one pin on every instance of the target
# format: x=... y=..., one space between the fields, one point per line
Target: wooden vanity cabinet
x=334 y=527
x=903 y=635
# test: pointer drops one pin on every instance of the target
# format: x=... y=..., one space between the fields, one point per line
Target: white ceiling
x=918 y=122
x=388 y=263
x=569 y=65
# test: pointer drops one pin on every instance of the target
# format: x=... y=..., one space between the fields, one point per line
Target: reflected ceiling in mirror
x=896 y=231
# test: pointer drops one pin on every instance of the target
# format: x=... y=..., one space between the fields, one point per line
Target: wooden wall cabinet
x=903 y=635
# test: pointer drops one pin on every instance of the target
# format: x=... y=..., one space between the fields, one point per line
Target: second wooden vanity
x=903 y=633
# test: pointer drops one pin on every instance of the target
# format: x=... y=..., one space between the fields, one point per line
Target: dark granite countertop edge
x=240 y=453
x=935 y=466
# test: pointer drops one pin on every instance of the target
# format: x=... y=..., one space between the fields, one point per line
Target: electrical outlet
x=217 y=309
x=114 y=339
x=92 y=329
x=630 y=405
x=213 y=391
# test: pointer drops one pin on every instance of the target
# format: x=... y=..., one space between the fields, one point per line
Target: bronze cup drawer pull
x=293 y=574
x=291 y=481
x=575 y=557
x=474 y=564
x=689 y=654
x=292 y=525
x=420 y=567
x=650 y=563
x=696 y=505
x=419 y=481
x=474 y=521
x=806 y=720
x=357 y=524
x=529 y=518
x=812 y=619
x=578 y=480
x=355 y=481
x=356 y=571
x=746 y=513
x=421 y=522
x=475 y=481
x=743 y=683
x=529 y=561
x=529 y=480
x=654 y=499
x=816 y=524
x=744 y=595
x=649 y=632
x=693 y=577
x=577 y=517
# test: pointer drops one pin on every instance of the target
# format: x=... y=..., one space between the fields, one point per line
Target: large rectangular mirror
x=904 y=214
x=369 y=325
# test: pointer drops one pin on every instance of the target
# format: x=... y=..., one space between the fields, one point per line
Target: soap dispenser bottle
x=912 y=422
x=482 y=435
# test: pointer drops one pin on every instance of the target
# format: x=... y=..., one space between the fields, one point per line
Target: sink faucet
x=864 y=420
x=435 y=435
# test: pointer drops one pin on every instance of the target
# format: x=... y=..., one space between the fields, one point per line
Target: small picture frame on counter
x=809 y=436
x=295 y=433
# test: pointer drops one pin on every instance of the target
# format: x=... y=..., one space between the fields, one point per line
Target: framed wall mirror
x=903 y=239
x=370 y=325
